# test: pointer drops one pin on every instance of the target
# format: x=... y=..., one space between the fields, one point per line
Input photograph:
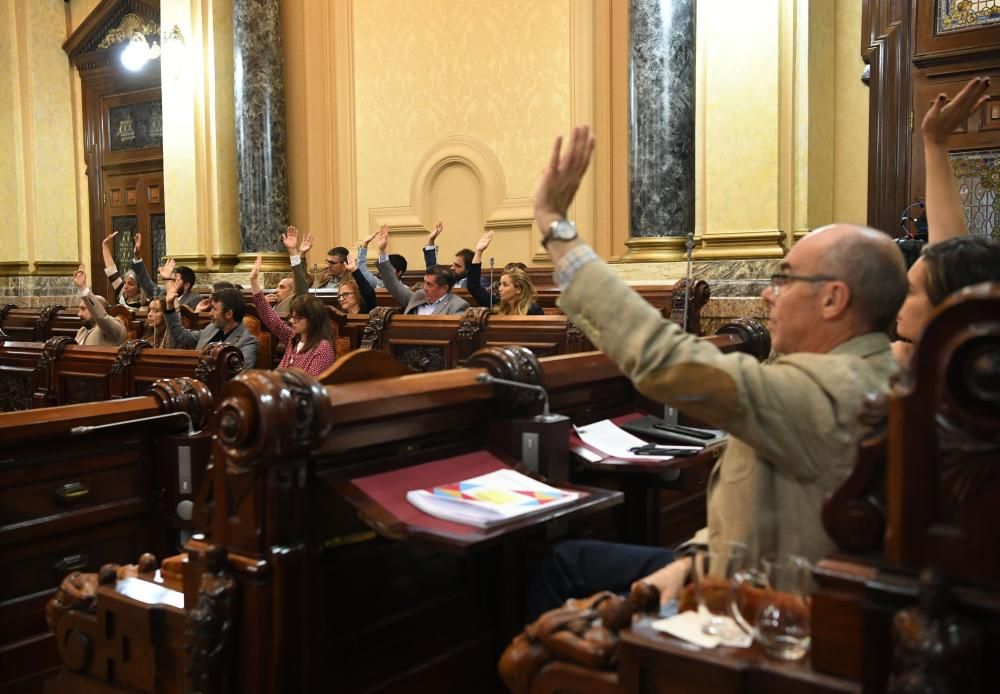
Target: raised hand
x=562 y=177
x=947 y=114
x=109 y=239
x=173 y=288
x=80 y=277
x=383 y=239
x=167 y=271
x=203 y=306
x=369 y=238
x=291 y=240
x=438 y=228
x=307 y=244
x=352 y=264
x=254 y=273
x=484 y=241
x=137 y=245
x=271 y=299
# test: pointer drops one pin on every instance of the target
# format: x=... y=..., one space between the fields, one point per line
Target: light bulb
x=136 y=53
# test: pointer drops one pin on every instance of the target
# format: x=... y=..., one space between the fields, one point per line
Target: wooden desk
x=650 y=661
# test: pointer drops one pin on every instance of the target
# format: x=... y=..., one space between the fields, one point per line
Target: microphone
x=546 y=416
x=87 y=429
x=491 y=285
x=687 y=283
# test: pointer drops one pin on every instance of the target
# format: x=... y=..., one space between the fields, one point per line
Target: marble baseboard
x=724 y=309
x=727 y=278
x=35 y=291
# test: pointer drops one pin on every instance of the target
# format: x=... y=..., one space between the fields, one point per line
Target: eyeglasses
x=335 y=262
x=345 y=294
x=780 y=280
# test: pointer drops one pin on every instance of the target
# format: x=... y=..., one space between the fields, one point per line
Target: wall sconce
x=138 y=51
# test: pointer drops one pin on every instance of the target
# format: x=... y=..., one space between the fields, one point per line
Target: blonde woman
x=515 y=295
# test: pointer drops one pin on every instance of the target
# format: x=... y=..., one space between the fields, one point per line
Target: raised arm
x=271 y=320
x=110 y=269
x=371 y=279
x=474 y=285
x=430 y=248
x=182 y=337
x=139 y=268
x=367 y=297
x=945 y=213
x=400 y=292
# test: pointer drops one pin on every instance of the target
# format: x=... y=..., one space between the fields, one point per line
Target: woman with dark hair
x=952 y=260
x=307 y=339
x=157 y=333
x=514 y=294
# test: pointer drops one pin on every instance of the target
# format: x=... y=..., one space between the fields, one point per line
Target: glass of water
x=713 y=572
x=773 y=605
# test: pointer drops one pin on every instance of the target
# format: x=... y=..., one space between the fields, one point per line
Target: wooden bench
x=74 y=502
x=60 y=372
x=309 y=562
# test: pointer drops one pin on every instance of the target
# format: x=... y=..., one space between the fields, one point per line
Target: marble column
x=661 y=128
x=262 y=179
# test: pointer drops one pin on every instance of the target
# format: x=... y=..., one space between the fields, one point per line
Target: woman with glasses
x=356 y=294
x=306 y=336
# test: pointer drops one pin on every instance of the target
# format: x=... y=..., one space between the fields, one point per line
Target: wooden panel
x=990 y=116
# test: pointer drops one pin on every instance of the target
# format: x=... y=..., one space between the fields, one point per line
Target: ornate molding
x=5 y=309
x=473 y=322
x=44 y=318
x=126 y=355
x=128 y=25
x=755 y=336
x=218 y=363
x=210 y=624
x=51 y=351
x=513 y=364
x=697 y=295
x=378 y=319
x=184 y=395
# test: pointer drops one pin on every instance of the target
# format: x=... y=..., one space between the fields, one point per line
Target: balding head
x=871 y=266
x=842 y=281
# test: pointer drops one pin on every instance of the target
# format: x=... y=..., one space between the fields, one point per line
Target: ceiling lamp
x=136 y=53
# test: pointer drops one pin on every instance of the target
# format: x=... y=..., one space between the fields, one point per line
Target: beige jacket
x=793 y=424
x=108 y=329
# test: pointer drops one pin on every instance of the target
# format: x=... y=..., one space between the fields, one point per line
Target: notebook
x=497 y=497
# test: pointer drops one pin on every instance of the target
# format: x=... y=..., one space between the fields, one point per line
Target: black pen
x=650 y=449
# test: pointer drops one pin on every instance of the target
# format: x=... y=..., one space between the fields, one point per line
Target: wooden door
x=133 y=203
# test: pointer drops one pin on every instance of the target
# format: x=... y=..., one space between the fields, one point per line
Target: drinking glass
x=713 y=572
x=773 y=605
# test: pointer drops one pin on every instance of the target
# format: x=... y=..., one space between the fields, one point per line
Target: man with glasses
x=794 y=423
x=336 y=269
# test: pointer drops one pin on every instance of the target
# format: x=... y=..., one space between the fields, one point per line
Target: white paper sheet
x=615 y=442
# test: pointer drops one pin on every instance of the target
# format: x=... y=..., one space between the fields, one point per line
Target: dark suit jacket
x=409 y=299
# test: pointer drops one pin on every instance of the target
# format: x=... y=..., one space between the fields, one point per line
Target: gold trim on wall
x=54 y=268
x=756 y=243
x=13 y=269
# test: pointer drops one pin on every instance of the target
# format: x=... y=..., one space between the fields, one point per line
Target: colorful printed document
x=496 y=497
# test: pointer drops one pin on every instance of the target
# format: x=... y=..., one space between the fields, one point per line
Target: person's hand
x=432 y=237
x=291 y=240
x=669 y=579
x=351 y=263
x=947 y=114
x=307 y=244
x=254 y=273
x=137 y=246
x=368 y=239
x=204 y=306
x=173 y=288
x=271 y=298
x=80 y=277
x=167 y=271
x=383 y=239
x=562 y=177
x=109 y=239
x=484 y=241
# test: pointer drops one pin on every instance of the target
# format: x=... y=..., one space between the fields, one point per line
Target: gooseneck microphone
x=98 y=427
x=545 y=416
x=491 y=283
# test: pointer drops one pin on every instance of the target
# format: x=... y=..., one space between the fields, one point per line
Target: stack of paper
x=497 y=497
x=612 y=441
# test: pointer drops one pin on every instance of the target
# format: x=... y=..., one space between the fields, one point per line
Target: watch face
x=564 y=231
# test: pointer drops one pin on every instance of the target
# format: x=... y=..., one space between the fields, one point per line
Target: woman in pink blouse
x=307 y=339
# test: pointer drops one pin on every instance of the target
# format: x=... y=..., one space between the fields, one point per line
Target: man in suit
x=98 y=327
x=169 y=271
x=336 y=269
x=459 y=266
x=228 y=309
x=794 y=423
x=435 y=299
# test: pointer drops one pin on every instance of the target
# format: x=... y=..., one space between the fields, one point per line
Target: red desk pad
x=388 y=489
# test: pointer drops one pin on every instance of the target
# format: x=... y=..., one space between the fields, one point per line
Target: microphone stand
x=491 y=284
x=98 y=427
x=687 y=283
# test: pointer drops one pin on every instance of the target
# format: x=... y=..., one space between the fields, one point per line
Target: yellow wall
x=850 y=109
x=39 y=193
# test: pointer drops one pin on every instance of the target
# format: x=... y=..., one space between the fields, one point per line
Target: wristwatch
x=559 y=230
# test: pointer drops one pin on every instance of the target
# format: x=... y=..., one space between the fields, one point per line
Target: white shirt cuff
x=295 y=260
x=85 y=292
x=383 y=258
x=110 y=269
